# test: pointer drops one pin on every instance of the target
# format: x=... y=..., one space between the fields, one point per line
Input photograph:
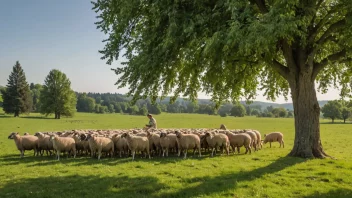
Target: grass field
x=267 y=173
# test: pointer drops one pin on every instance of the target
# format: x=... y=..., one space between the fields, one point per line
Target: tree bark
x=307 y=142
x=55 y=115
x=58 y=115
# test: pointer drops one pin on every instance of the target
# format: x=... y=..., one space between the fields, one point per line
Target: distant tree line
x=337 y=109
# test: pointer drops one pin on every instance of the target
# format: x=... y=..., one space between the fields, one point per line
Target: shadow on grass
x=340 y=193
x=84 y=160
x=38 y=117
x=223 y=185
x=5 y=116
x=83 y=186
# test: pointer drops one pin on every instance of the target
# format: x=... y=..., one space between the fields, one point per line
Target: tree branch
x=331 y=58
x=315 y=16
x=327 y=35
x=331 y=29
x=280 y=68
x=321 y=23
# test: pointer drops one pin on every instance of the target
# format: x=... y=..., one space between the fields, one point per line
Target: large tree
x=230 y=49
x=57 y=96
x=17 y=97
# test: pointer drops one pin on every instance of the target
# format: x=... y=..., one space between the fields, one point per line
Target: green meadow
x=266 y=173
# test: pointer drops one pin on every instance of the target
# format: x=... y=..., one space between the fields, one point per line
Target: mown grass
x=267 y=173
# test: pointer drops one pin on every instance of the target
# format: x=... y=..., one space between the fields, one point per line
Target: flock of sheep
x=156 y=142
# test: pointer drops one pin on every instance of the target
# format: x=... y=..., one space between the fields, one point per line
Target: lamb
x=63 y=144
x=27 y=142
x=239 y=140
x=167 y=141
x=274 y=137
x=137 y=143
x=102 y=144
x=44 y=143
x=187 y=141
x=217 y=140
x=120 y=144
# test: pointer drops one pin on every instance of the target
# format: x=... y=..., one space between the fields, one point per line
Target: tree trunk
x=55 y=115
x=307 y=142
x=58 y=115
x=333 y=120
x=344 y=120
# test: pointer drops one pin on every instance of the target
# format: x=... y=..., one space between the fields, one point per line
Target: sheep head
x=178 y=134
x=124 y=135
x=162 y=134
x=12 y=135
x=209 y=134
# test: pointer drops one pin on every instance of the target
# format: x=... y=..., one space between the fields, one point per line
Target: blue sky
x=45 y=35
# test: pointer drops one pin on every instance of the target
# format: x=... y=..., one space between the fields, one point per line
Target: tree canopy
x=230 y=49
x=16 y=96
x=57 y=96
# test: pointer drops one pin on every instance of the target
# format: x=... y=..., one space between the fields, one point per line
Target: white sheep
x=102 y=144
x=63 y=144
x=187 y=141
x=137 y=143
x=44 y=143
x=217 y=140
x=27 y=142
x=274 y=137
x=239 y=140
x=167 y=141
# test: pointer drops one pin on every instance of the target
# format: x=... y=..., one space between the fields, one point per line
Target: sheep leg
x=179 y=153
x=200 y=154
x=212 y=152
x=238 y=150
x=74 y=153
x=283 y=144
x=58 y=155
x=185 y=154
x=133 y=153
x=167 y=152
x=22 y=153
x=270 y=144
x=99 y=154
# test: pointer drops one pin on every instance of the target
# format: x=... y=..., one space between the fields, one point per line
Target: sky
x=44 y=35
